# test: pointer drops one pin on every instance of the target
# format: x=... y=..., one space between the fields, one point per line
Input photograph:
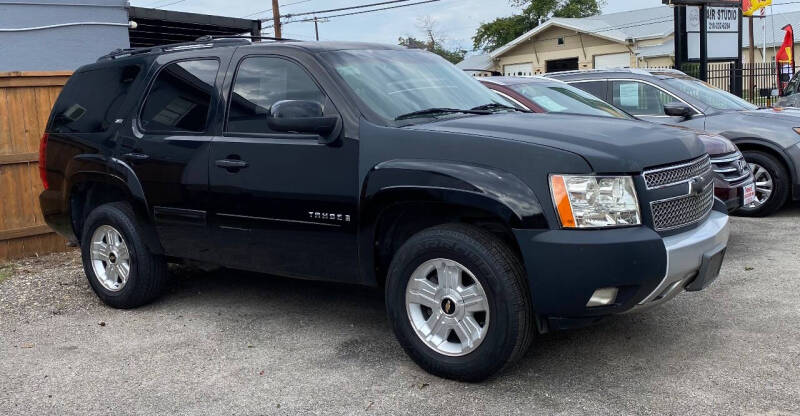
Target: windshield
x=557 y=97
x=708 y=95
x=393 y=83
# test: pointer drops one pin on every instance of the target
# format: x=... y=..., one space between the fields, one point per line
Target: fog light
x=602 y=297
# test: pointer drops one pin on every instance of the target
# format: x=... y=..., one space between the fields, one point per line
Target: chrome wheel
x=111 y=260
x=764 y=185
x=447 y=307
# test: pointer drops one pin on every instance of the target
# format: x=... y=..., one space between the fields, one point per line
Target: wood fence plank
x=5 y=128
x=11 y=159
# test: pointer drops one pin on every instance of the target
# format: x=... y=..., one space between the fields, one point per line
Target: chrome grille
x=671 y=175
x=683 y=210
x=731 y=168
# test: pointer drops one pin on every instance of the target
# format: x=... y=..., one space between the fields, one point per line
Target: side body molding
x=472 y=186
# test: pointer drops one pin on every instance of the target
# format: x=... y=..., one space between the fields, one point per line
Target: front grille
x=671 y=175
x=731 y=168
x=677 y=212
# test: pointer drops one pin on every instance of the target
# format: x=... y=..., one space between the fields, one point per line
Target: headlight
x=595 y=201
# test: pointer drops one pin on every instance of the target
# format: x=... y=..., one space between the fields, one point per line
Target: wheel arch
x=87 y=190
x=752 y=143
x=402 y=197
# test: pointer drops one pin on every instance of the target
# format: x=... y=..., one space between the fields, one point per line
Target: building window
x=560 y=41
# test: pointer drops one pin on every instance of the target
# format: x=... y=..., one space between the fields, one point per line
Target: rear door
x=167 y=147
x=283 y=203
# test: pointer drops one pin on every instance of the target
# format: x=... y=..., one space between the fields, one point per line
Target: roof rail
x=207 y=38
x=200 y=43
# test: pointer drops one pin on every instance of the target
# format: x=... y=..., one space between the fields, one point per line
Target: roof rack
x=207 y=38
x=208 y=41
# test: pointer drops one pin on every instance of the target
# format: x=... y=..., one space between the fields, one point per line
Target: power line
x=168 y=4
x=270 y=9
x=342 y=9
x=361 y=12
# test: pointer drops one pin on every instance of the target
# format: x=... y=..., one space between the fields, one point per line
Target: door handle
x=136 y=156
x=231 y=164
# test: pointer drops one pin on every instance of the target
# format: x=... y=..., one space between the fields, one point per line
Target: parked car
x=376 y=165
x=790 y=96
x=768 y=138
x=733 y=182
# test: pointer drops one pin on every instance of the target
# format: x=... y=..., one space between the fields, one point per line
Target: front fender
x=485 y=188
x=490 y=190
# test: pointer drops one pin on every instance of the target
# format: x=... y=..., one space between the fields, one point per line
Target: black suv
x=376 y=165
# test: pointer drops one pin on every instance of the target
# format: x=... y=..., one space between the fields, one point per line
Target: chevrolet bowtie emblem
x=696 y=185
x=447 y=306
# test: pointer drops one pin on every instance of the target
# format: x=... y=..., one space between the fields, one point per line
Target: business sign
x=722 y=27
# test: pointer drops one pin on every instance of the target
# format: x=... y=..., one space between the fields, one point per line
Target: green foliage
x=455 y=56
x=503 y=30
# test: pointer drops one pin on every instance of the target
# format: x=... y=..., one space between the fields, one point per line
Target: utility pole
x=276 y=17
x=316 y=27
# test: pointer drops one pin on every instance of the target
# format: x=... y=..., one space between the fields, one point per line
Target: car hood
x=610 y=145
x=777 y=113
x=774 y=125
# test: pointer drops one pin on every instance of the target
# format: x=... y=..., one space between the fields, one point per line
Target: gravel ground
x=236 y=343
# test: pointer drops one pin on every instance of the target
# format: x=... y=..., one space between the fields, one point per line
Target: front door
x=167 y=147
x=283 y=203
x=646 y=101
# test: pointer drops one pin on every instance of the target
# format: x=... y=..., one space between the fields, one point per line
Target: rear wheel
x=772 y=184
x=458 y=302
x=121 y=269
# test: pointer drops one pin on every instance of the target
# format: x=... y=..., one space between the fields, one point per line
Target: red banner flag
x=786 y=53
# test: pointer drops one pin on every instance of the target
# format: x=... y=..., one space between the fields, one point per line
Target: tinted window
x=596 y=88
x=181 y=97
x=640 y=99
x=260 y=83
x=92 y=100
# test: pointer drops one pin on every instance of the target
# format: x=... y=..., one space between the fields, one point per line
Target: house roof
x=651 y=23
x=482 y=62
x=619 y=27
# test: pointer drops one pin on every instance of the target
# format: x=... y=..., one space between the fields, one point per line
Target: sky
x=455 y=20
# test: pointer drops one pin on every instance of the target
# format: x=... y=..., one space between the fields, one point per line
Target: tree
x=433 y=42
x=503 y=30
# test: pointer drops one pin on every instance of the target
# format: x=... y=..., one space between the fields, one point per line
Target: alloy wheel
x=764 y=185
x=447 y=307
x=111 y=260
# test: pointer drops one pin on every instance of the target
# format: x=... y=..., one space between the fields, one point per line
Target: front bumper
x=565 y=267
x=731 y=194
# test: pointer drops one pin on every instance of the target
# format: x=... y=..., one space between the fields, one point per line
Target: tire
x=146 y=272
x=507 y=329
x=781 y=182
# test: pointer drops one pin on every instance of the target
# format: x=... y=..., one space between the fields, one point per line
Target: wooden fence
x=25 y=102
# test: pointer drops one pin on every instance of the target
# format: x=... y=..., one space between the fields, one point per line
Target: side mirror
x=301 y=116
x=678 y=110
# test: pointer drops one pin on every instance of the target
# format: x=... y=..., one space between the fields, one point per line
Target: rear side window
x=260 y=83
x=596 y=88
x=180 y=98
x=92 y=100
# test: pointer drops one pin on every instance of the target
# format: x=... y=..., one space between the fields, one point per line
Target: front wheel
x=458 y=302
x=772 y=184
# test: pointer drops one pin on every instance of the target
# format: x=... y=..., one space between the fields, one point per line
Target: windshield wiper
x=498 y=106
x=435 y=110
